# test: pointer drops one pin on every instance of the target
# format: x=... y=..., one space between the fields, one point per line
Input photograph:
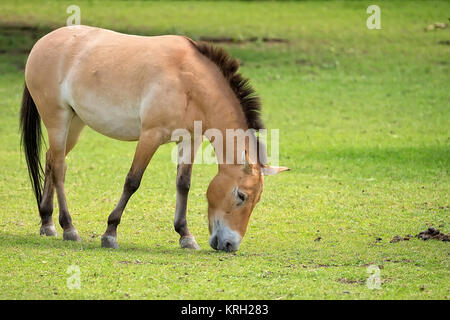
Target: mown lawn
x=364 y=126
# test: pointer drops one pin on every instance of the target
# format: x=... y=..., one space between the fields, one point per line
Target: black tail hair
x=31 y=140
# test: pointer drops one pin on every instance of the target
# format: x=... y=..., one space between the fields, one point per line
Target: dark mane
x=250 y=102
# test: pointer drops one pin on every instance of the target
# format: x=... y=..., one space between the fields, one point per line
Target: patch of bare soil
x=400 y=238
x=130 y=262
x=351 y=281
x=25 y=30
x=14 y=51
x=233 y=40
x=359 y=281
x=432 y=233
x=16 y=39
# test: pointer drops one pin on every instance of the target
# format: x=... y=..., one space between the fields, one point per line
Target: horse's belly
x=115 y=121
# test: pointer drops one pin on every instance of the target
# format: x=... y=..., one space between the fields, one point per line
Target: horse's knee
x=183 y=183
x=132 y=183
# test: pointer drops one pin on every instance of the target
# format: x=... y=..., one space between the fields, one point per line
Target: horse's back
x=104 y=76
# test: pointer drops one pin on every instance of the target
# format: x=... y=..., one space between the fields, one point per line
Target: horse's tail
x=31 y=140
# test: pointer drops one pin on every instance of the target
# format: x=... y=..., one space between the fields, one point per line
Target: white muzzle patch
x=223 y=238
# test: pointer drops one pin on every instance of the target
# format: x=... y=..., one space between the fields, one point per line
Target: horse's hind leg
x=58 y=131
x=46 y=205
x=149 y=141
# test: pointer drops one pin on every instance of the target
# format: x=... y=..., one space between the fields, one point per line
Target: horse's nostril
x=228 y=246
x=214 y=243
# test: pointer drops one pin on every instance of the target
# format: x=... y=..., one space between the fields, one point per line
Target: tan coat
x=142 y=88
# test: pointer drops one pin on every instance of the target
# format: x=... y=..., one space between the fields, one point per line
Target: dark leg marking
x=183 y=183
x=58 y=173
x=146 y=147
x=46 y=206
x=132 y=182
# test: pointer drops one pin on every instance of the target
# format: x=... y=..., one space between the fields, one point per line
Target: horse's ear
x=262 y=158
x=271 y=170
x=245 y=161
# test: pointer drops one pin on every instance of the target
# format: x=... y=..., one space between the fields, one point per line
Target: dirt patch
x=15 y=51
x=445 y=42
x=398 y=261
x=15 y=26
x=246 y=40
x=351 y=281
x=130 y=262
x=360 y=281
x=17 y=40
x=400 y=238
x=11 y=29
x=305 y=62
x=432 y=233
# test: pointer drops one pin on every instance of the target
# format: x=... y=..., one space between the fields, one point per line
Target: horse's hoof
x=109 y=242
x=189 y=243
x=71 y=235
x=49 y=231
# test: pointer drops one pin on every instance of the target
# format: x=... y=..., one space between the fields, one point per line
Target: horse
x=139 y=88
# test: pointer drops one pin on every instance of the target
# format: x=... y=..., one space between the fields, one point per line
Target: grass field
x=364 y=118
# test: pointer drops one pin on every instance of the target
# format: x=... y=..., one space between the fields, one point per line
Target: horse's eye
x=240 y=196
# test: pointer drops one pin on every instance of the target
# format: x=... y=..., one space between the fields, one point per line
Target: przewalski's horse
x=139 y=88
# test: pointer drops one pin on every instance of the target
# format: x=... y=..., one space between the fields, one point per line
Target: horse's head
x=232 y=195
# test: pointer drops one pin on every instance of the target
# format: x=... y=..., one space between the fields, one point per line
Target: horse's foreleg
x=183 y=183
x=146 y=147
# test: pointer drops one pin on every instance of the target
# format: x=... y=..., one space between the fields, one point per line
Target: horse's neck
x=223 y=117
x=226 y=115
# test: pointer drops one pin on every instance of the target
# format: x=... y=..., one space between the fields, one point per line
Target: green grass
x=364 y=126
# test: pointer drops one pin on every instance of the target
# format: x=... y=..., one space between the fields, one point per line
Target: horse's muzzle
x=223 y=238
